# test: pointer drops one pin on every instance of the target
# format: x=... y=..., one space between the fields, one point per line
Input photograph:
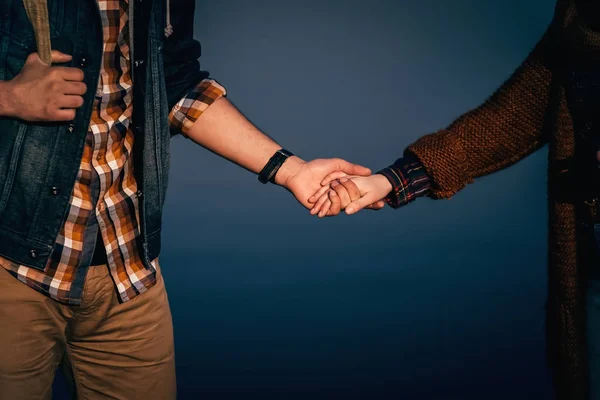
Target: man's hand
x=304 y=179
x=43 y=93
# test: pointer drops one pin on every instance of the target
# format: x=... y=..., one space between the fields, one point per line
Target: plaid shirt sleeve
x=193 y=104
x=409 y=181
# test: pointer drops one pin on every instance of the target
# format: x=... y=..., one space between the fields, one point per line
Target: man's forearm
x=224 y=130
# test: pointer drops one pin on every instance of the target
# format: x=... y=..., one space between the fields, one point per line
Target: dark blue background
x=439 y=300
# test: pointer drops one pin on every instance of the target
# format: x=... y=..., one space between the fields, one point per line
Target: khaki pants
x=117 y=351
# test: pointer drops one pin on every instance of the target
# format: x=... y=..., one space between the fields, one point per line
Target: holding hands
x=351 y=193
x=303 y=179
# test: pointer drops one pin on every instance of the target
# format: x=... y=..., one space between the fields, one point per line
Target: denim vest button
x=139 y=193
x=83 y=62
x=71 y=128
x=33 y=253
x=54 y=190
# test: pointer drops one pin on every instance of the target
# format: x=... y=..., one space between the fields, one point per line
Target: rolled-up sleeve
x=190 y=90
x=193 y=104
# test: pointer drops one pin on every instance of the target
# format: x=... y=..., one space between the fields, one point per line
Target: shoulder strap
x=37 y=11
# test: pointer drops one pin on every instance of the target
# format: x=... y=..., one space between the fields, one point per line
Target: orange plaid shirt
x=107 y=162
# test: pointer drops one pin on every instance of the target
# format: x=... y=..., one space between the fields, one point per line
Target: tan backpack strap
x=37 y=11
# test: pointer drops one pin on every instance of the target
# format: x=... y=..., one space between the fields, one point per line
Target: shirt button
x=55 y=190
x=33 y=253
x=71 y=128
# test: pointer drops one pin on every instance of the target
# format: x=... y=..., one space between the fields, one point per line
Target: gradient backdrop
x=439 y=300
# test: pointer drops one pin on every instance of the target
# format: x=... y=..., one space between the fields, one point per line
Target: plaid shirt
x=107 y=162
x=409 y=181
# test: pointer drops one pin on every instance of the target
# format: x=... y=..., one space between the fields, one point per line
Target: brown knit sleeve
x=500 y=132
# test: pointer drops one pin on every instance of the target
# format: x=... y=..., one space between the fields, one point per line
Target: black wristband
x=270 y=170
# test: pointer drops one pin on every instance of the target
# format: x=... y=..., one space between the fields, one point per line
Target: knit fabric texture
x=528 y=111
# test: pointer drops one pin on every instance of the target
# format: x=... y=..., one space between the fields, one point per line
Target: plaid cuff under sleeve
x=409 y=181
x=195 y=102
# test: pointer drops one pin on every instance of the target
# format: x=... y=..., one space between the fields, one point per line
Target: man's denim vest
x=39 y=162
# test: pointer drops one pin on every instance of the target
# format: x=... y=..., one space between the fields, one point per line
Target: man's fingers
x=70 y=102
x=63 y=115
x=69 y=74
x=359 y=204
x=76 y=88
x=335 y=204
x=58 y=57
x=325 y=208
x=317 y=207
x=313 y=199
x=332 y=177
x=353 y=169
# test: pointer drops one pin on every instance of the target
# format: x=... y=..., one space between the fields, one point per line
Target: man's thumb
x=58 y=57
